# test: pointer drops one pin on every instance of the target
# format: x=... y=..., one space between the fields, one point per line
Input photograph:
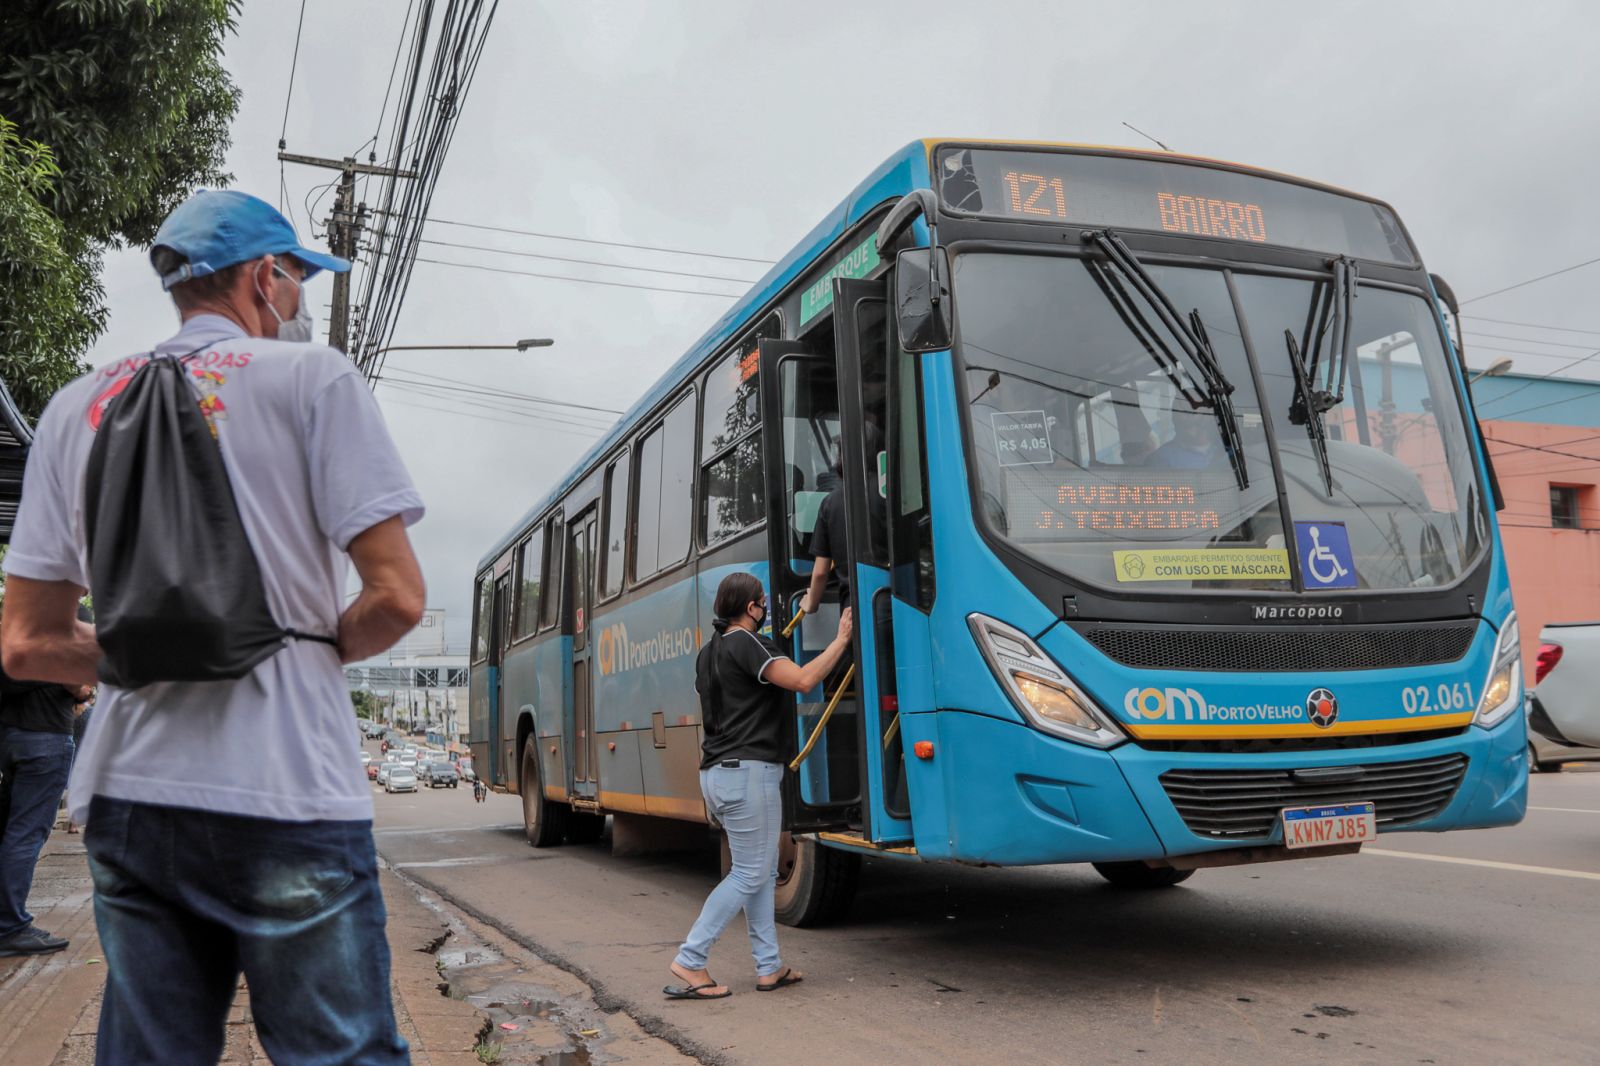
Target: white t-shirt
x=312 y=465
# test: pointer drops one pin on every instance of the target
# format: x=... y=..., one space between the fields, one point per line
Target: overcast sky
x=732 y=127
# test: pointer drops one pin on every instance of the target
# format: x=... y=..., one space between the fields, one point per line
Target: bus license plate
x=1321 y=827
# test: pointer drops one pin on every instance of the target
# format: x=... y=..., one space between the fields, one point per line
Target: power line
x=458 y=384
x=492 y=394
x=520 y=421
x=1532 y=340
x=1531 y=325
x=586 y=262
x=535 y=417
x=613 y=244
x=1530 y=281
x=293 y=64
x=585 y=281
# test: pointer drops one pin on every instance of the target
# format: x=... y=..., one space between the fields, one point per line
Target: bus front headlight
x=1502 y=693
x=1041 y=690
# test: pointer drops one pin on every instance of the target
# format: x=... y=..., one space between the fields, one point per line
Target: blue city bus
x=1171 y=526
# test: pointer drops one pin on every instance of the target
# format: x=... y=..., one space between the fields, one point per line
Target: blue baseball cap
x=216 y=229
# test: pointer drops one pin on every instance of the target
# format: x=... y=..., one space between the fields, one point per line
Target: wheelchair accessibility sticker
x=1325 y=555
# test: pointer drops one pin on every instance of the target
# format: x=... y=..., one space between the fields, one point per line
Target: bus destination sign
x=1153 y=194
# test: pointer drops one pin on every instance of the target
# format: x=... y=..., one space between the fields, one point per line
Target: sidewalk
x=50 y=1005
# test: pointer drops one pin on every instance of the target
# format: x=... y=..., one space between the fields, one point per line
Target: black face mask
x=762 y=620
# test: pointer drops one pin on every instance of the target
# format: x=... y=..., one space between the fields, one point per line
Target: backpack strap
x=295 y=634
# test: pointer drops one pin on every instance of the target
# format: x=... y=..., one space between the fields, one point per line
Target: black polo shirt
x=39 y=706
x=746 y=722
x=828 y=539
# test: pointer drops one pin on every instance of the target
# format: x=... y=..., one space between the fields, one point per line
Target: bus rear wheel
x=544 y=821
x=1138 y=875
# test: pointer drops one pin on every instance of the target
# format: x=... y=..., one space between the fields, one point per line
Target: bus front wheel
x=816 y=884
x=544 y=821
x=1138 y=875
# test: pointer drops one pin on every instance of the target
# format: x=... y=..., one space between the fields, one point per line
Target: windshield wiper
x=1314 y=427
x=1335 y=313
x=1193 y=341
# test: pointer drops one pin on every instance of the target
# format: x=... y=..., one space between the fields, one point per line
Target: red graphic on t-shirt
x=208 y=382
x=97 y=410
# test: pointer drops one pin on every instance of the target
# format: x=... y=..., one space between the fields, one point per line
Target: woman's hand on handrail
x=785 y=674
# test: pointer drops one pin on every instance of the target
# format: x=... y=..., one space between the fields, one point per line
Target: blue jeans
x=35 y=766
x=748 y=801
x=186 y=900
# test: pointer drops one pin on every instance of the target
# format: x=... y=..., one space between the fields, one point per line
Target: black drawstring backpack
x=177 y=591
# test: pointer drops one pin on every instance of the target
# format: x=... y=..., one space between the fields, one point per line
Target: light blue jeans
x=748 y=801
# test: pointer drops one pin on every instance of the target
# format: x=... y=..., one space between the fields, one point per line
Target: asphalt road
x=1472 y=947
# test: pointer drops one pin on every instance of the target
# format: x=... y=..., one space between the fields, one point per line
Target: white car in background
x=1564 y=706
x=401 y=779
x=385 y=770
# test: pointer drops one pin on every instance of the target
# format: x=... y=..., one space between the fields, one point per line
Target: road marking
x=1553 y=871
x=1567 y=810
x=464 y=860
x=418 y=830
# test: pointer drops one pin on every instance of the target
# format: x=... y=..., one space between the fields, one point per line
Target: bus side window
x=615 y=528
x=530 y=567
x=912 y=531
x=662 y=519
x=482 y=619
x=550 y=606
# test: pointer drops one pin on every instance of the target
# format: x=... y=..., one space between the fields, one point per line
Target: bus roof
x=903 y=171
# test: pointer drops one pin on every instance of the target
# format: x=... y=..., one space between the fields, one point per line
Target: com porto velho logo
x=618 y=654
x=1191 y=705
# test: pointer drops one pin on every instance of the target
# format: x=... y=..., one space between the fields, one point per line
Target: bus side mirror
x=922 y=299
x=1447 y=296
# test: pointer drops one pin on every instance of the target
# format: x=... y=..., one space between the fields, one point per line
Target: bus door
x=499 y=640
x=861 y=335
x=799 y=421
x=584 y=765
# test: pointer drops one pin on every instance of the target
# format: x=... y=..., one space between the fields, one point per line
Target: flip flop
x=695 y=991
x=789 y=978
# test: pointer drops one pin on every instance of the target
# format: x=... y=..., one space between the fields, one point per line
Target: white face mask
x=298 y=328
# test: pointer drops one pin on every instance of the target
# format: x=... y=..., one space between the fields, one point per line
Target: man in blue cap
x=229 y=823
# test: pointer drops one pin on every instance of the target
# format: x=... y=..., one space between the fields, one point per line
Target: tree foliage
x=120 y=109
x=50 y=301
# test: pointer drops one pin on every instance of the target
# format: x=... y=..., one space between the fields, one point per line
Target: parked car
x=401 y=779
x=1564 y=706
x=442 y=775
x=382 y=776
x=464 y=768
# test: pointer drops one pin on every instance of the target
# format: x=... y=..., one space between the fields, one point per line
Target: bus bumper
x=1000 y=792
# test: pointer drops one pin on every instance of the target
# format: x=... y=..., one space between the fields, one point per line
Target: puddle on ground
x=529 y=1024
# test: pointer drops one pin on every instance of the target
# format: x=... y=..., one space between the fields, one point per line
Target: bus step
x=855 y=841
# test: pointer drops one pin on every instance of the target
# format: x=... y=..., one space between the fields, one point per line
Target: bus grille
x=1244 y=804
x=1279 y=650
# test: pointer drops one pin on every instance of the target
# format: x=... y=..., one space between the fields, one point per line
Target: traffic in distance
x=402 y=765
x=1172 y=537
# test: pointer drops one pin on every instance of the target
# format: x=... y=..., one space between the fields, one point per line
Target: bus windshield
x=1100 y=458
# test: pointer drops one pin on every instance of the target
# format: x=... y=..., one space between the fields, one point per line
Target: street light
x=1494 y=370
x=520 y=346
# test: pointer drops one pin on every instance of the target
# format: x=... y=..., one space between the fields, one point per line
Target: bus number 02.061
x=1028 y=189
x=1420 y=699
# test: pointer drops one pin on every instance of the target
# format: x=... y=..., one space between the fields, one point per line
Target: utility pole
x=344 y=229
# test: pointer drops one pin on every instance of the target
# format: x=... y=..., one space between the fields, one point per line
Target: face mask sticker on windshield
x=1021 y=438
x=1325 y=558
x=1202 y=564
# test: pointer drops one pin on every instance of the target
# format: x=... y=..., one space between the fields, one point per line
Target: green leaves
x=111 y=113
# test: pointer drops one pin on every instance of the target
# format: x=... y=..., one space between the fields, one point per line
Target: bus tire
x=1138 y=875
x=544 y=821
x=584 y=828
x=816 y=884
